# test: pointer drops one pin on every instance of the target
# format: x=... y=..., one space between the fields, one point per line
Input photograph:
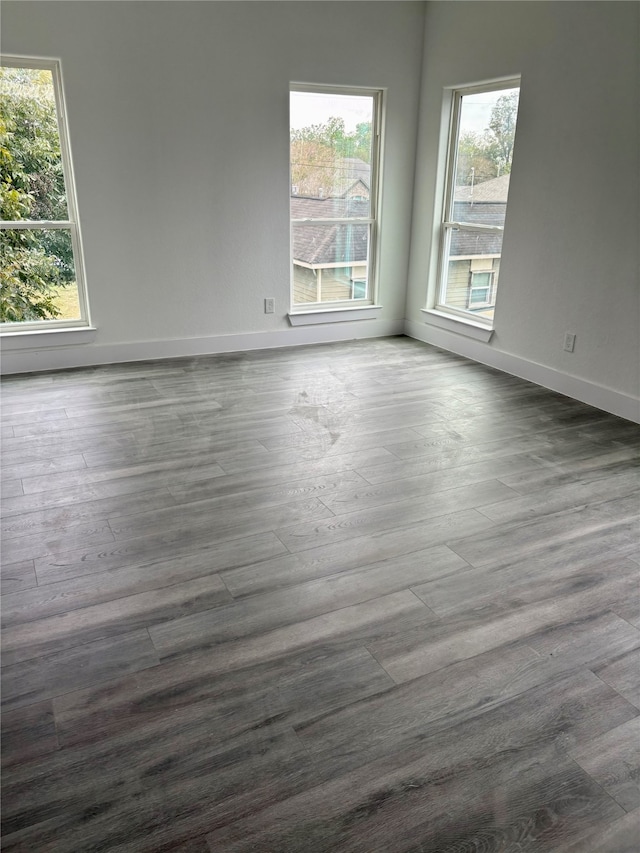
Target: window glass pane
x=331 y=149
x=463 y=288
x=479 y=296
x=330 y=262
x=32 y=177
x=37 y=273
x=482 y=152
x=486 y=133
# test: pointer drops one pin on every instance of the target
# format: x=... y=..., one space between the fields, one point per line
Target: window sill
x=44 y=338
x=460 y=325
x=334 y=315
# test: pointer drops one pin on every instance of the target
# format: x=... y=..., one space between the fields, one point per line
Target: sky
x=476 y=110
x=309 y=108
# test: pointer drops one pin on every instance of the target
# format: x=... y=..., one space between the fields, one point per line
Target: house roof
x=464 y=243
x=305 y=207
x=351 y=170
x=483 y=204
x=494 y=191
x=318 y=244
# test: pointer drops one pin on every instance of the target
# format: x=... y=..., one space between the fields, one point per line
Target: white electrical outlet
x=569 y=341
x=269 y=306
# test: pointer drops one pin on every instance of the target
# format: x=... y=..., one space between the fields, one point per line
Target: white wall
x=178 y=115
x=570 y=255
x=178 y=118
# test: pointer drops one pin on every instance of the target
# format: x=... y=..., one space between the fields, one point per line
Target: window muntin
x=479 y=165
x=334 y=154
x=41 y=269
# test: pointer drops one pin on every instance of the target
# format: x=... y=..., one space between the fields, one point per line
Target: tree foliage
x=318 y=153
x=35 y=262
x=482 y=157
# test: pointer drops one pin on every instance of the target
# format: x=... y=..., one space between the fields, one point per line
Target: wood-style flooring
x=355 y=598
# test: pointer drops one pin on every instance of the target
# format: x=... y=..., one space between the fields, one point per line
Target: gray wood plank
x=43 y=678
x=598 y=465
x=418 y=488
x=590 y=525
x=619 y=836
x=82 y=501
x=434 y=793
x=269 y=697
x=146 y=550
x=94 y=589
x=130 y=478
x=111 y=619
x=406 y=657
x=217 y=519
x=10 y=488
x=397 y=513
x=28 y=734
x=44 y=467
x=137 y=813
x=566 y=497
x=269 y=494
x=61 y=514
x=405 y=563
x=58 y=540
x=613 y=760
x=17 y=576
x=357 y=624
x=273 y=610
x=501 y=586
x=623 y=674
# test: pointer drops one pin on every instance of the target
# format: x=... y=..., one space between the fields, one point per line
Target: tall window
x=40 y=259
x=481 y=144
x=334 y=155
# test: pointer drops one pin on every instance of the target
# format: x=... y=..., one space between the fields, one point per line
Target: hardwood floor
x=348 y=598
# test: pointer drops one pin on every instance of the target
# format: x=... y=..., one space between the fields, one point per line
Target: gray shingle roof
x=327 y=244
x=496 y=190
x=484 y=204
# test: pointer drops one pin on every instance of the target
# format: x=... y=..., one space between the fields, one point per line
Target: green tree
x=317 y=151
x=475 y=162
x=502 y=130
x=482 y=157
x=33 y=263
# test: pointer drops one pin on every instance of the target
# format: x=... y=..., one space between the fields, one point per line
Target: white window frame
x=448 y=224
x=71 y=224
x=303 y=309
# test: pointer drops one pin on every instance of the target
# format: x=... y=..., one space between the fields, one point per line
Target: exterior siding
x=459 y=279
x=335 y=284
x=304 y=285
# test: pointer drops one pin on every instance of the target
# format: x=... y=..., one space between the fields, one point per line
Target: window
x=480 y=290
x=334 y=156
x=481 y=144
x=40 y=259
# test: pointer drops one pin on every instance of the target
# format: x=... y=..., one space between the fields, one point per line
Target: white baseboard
x=60 y=356
x=599 y=396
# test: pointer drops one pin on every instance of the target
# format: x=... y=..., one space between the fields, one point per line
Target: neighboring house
x=474 y=258
x=330 y=260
